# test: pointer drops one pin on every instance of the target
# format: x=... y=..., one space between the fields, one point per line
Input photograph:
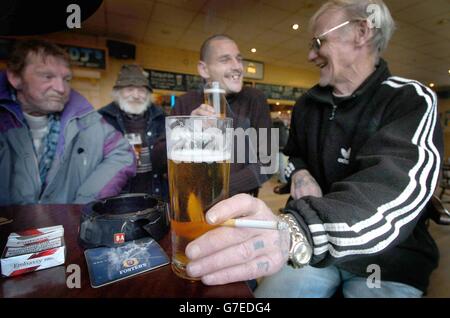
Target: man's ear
x=14 y=79
x=203 y=69
x=364 y=33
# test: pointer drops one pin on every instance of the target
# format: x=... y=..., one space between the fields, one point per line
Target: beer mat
x=107 y=265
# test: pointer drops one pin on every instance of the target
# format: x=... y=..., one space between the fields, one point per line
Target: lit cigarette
x=256 y=224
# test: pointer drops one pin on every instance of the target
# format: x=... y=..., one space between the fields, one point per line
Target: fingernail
x=211 y=218
x=193 y=270
x=193 y=251
x=209 y=279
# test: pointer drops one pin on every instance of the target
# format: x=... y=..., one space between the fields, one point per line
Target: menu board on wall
x=280 y=91
x=174 y=81
x=166 y=80
x=194 y=82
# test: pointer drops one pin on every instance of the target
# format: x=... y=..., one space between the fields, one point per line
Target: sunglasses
x=316 y=42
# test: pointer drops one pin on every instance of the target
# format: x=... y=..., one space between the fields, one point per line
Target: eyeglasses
x=316 y=42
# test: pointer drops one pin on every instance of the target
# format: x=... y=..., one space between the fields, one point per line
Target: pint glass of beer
x=135 y=140
x=215 y=97
x=199 y=155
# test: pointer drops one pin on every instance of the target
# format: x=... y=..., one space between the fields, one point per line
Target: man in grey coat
x=54 y=147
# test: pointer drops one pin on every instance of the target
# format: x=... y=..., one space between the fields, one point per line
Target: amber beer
x=136 y=142
x=137 y=150
x=194 y=188
x=198 y=179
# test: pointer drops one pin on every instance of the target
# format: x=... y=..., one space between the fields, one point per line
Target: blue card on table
x=110 y=264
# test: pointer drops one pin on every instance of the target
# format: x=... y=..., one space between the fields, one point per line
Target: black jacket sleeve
x=378 y=206
x=292 y=148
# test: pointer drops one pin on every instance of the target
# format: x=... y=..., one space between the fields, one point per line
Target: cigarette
x=256 y=224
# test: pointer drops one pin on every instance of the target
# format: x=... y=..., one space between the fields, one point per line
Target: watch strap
x=300 y=251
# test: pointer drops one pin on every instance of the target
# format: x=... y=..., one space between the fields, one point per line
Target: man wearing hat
x=131 y=112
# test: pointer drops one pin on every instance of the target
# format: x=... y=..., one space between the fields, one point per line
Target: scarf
x=50 y=142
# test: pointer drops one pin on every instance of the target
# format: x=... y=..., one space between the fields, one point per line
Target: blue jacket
x=155 y=133
x=92 y=159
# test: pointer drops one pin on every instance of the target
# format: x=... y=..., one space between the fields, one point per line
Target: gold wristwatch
x=300 y=251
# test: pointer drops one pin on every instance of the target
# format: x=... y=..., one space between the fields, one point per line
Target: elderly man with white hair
x=132 y=112
x=365 y=149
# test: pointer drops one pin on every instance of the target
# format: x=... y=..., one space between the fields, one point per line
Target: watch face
x=302 y=254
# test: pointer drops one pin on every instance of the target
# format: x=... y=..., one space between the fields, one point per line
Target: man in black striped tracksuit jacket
x=365 y=151
x=374 y=157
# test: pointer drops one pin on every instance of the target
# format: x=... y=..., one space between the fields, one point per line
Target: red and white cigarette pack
x=33 y=250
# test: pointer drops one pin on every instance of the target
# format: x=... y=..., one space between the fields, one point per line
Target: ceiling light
x=295 y=26
x=277 y=103
x=431 y=85
x=448 y=71
x=253 y=50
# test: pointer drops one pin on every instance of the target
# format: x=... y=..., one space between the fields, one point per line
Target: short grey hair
x=360 y=10
x=206 y=46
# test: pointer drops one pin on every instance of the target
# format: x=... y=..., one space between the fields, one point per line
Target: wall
x=98 y=88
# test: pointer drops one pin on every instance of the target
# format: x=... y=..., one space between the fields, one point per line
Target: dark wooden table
x=51 y=282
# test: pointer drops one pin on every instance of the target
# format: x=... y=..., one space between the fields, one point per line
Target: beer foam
x=198 y=155
x=214 y=90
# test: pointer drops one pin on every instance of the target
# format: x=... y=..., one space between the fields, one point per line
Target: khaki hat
x=132 y=75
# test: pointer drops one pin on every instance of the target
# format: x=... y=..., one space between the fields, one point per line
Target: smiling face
x=43 y=87
x=133 y=99
x=336 y=55
x=223 y=63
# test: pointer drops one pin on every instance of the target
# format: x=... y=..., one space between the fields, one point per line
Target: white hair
x=126 y=107
x=383 y=28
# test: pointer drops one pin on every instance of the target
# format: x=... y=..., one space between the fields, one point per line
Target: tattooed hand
x=229 y=254
x=304 y=184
